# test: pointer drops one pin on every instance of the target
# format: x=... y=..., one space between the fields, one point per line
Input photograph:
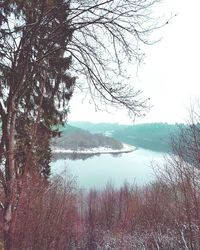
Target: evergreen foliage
x=35 y=75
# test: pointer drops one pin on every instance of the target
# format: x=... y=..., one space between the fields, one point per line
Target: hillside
x=156 y=136
x=97 y=127
x=78 y=139
x=152 y=136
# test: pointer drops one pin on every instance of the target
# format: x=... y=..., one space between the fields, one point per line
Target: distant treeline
x=153 y=136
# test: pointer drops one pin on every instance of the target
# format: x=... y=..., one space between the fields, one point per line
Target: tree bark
x=10 y=187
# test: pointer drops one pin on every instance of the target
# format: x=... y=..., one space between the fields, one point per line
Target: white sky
x=170 y=75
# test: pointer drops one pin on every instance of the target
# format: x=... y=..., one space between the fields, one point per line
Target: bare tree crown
x=101 y=37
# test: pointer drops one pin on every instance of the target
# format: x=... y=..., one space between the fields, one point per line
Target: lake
x=96 y=172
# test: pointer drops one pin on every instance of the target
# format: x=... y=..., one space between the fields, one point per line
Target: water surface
x=96 y=172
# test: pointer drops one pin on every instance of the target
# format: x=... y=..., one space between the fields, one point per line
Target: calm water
x=134 y=167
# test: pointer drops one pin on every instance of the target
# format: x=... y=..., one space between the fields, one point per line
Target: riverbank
x=100 y=150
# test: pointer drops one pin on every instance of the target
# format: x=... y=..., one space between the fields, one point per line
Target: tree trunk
x=10 y=184
x=8 y=235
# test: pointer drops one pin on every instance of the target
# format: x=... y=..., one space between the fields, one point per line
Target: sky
x=169 y=76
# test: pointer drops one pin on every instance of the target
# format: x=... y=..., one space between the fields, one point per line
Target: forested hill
x=153 y=136
x=77 y=139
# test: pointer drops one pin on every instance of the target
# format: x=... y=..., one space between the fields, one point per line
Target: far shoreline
x=101 y=150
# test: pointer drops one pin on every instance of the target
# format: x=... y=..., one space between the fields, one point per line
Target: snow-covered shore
x=100 y=150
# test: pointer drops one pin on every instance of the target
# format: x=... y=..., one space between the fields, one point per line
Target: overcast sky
x=170 y=75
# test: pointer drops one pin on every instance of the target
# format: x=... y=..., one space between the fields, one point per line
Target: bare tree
x=181 y=175
x=107 y=35
x=187 y=143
